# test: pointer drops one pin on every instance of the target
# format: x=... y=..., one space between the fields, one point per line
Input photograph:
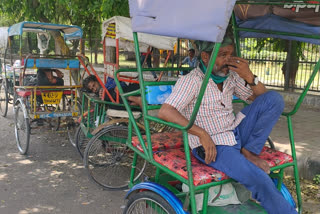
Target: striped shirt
x=215 y=114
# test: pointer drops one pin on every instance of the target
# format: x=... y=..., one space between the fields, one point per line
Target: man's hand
x=241 y=66
x=59 y=73
x=209 y=147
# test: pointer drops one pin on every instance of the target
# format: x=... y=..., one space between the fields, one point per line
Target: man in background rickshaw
x=45 y=77
x=227 y=142
x=146 y=56
x=191 y=60
x=92 y=85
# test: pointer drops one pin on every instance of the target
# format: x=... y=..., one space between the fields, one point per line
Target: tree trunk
x=75 y=45
x=156 y=58
x=291 y=66
x=96 y=45
x=60 y=46
x=111 y=54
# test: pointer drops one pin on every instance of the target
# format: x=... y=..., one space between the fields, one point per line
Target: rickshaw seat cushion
x=122 y=113
x=161 y=141
x=174 y=159
x=274 y=157
x=26 y=93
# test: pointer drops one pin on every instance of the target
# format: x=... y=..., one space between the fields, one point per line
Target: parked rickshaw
x=169 y=152
x=38 y=104
x=103 y=130
x=3 y=66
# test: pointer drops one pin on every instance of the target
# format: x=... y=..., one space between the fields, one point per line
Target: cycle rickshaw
x=103 y=129
x=41 y=105
x=160 y=194
x=3 y=67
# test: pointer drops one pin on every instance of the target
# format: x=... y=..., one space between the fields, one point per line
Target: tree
x=87 y=14
x=294 y=51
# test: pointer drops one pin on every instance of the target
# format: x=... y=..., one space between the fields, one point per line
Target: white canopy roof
x=123 y=31
x=69 y=31
x=199 y=20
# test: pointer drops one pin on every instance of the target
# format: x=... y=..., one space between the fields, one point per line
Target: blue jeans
x=252 y=134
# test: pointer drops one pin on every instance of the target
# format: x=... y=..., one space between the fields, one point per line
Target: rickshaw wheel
x=71 y=133
x=81 y=141
x=22 y=129
x=146 y=202
x=270 y=142
x=108 y=162
x=4 y=99
x=72 y=127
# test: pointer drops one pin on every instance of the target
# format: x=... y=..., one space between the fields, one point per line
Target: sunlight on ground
x=25 y=162
x=55 y=173
x=3 y=176
x=77 y=166
x=38 y=209
x=57 y=162
x=65 y=162
x=15 y=156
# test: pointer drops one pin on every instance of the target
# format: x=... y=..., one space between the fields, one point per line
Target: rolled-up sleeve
x=184 y=91
x=242 y=90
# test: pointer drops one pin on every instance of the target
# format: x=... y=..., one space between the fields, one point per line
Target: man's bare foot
x=262 y=164
x=136 y=101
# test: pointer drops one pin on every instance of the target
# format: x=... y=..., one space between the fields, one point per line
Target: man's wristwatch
x=255 y=81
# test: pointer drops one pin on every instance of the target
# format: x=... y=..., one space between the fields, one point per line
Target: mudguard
x=23 y=106
x=285 y=192
x=163 y=192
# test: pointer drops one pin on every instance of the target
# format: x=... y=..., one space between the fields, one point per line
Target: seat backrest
x=156 y=95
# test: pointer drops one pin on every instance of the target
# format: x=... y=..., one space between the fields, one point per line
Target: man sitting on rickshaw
x=45 y=77
x=91 y=84
x=227 y=142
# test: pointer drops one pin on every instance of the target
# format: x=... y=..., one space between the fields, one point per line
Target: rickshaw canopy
x=119 y=27
x=69 y=31
x=205 y=20
x=292 y=18
x=208 y=19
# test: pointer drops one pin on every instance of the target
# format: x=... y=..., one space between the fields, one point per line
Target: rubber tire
x=81 y=141
x=71 y=134
x=5 y=101
x=22 y=144
x=270 y=142
x=147 y=195
x=72 y=128
x=95 y=143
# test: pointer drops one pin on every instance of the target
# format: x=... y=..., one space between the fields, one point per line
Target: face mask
x=218 y=78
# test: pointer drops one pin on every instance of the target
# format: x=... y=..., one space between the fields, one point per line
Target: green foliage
x=87 y=14
x=316 y=179
x=280 y=45
x=114 y=8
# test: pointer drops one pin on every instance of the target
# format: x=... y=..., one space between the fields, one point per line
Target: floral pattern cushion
x=274 y=157
x=174 y=159
x=161 y=141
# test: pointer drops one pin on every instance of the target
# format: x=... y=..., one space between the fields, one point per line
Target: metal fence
x=268 y=64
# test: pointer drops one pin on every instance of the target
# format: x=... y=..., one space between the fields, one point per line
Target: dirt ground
x=52 y=179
